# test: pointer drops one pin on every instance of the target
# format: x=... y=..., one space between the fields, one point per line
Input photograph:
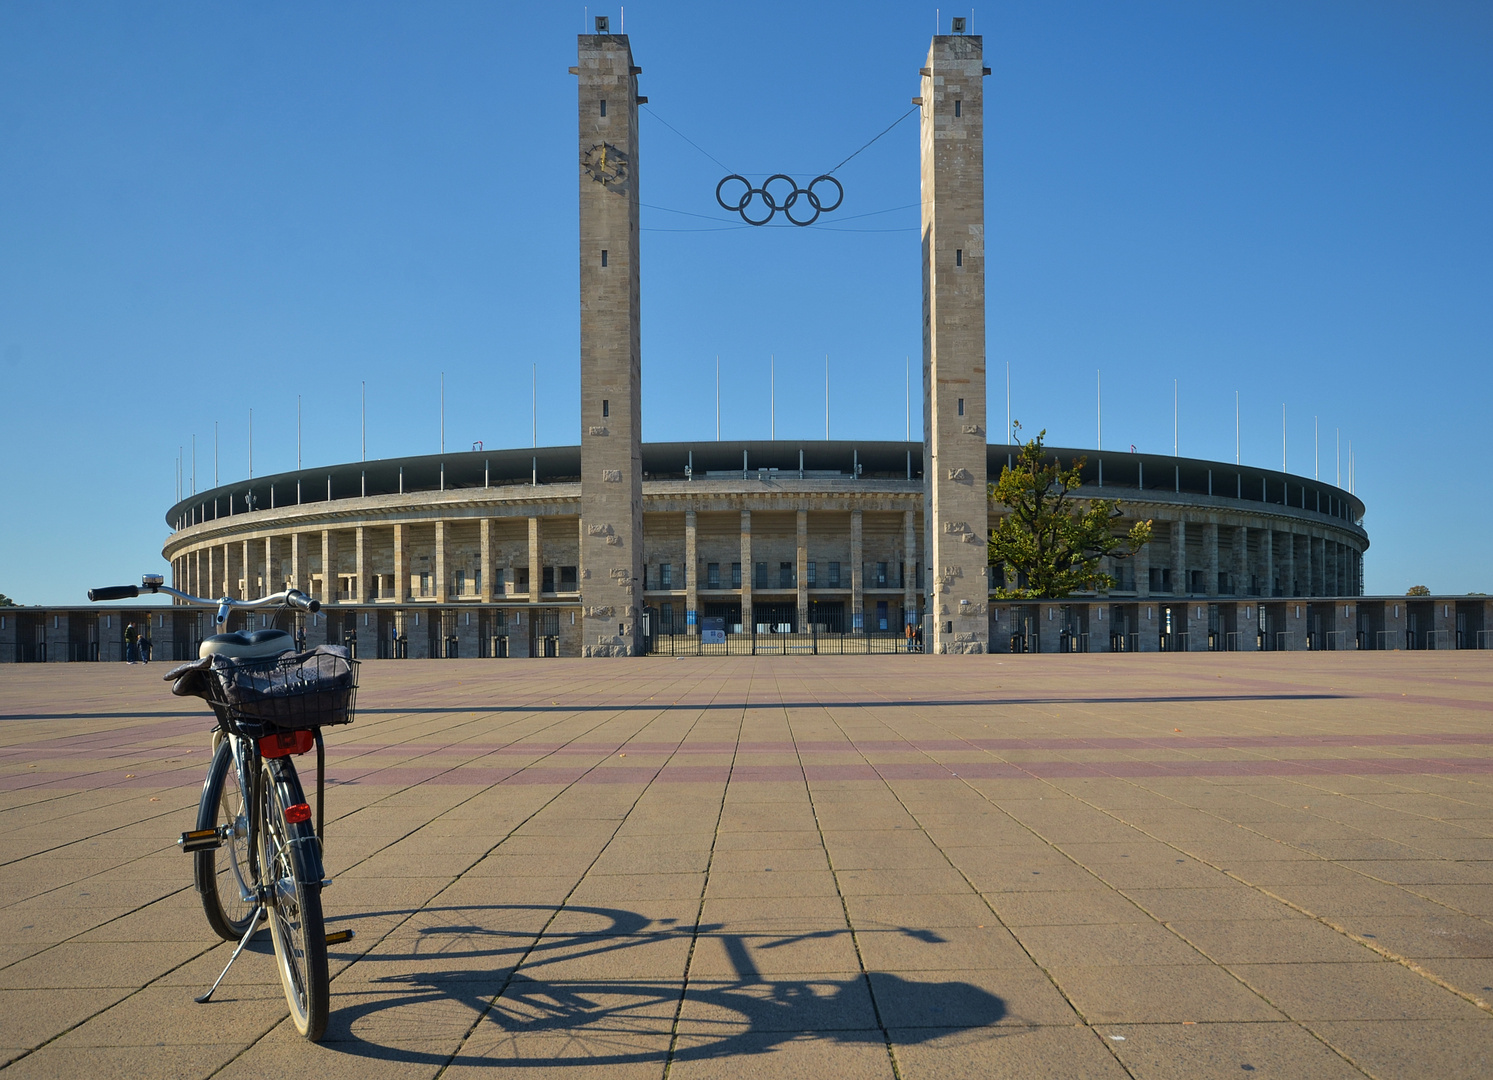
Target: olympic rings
x=782 y=200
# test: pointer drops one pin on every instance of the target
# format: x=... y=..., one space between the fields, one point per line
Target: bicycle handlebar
x=153 y=584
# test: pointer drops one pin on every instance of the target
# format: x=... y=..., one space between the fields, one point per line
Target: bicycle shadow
x=500 y=996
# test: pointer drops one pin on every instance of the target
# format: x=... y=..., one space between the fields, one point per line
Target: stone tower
x=611 y=372
x=953 y=173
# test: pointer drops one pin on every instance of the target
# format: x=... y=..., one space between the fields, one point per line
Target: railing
x=811 y=643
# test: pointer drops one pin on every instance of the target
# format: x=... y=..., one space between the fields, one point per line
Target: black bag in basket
x=292 y=692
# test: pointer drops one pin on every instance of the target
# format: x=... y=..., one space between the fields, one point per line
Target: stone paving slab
x=1078 y=866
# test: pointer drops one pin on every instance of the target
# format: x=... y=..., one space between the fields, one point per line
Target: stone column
x=691 y=575
x=1197 y=626
x=857 y=583
x=611 y=366
x=360 y=587
x=1210 y=555
x=536 y=565
x=329 y=567
x=298 y=562
x=401 y=566
x=1180 y=584
x=247 y=586
x=1289 y=569
x=801 y=575
x=910 y=565
x=748 y=623
x=1142 y=572
x=1267 y=557
x=271 y=571
x=1309 y=572
x=1239 y=560
x=442 y=589
x=953 y=227
x=489 y=587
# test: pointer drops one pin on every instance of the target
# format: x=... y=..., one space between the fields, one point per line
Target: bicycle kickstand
x=253 y=926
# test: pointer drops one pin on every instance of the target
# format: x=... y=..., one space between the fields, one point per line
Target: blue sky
x=207 y=208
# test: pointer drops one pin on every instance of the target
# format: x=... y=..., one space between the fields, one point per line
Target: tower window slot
x=961 y=406
x=606 y=407
x=958 y=256
x=604 y=108
x=603 y=256
x=957 y=107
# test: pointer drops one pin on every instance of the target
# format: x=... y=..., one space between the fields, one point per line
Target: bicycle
x=257 y=849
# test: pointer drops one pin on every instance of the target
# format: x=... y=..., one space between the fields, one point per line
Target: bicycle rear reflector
x=297 y=813
x=283 y=743
x=338 y=937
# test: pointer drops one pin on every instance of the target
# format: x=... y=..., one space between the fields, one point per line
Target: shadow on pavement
x=512 y=1010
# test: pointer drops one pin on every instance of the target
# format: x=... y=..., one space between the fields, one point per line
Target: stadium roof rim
x=668 y=461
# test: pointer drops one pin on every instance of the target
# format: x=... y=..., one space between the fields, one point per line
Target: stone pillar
x=953 y=227
x=1197 y=626
x=442 y=590
x=536 y=564
x=401 y=567
x=271 y=571
x=1240 y=560
x=801 y=574
x=910 y=565
x=1289 y=569
x=1345 y=620
x=1210 y=556
x=611 y=372
x=1267 y=558
x=329 y=567
x=691 y=575
x=1142 y=572
x=360 y=586
x=298 y=562
x=1180 y=584
x=857 y=584
x=246 y=588
x=1309 y=571
x=748 y=623
x=1247 y=619
x=488 y=590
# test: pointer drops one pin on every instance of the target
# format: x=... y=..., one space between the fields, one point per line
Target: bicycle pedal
x=339 y=937
x=200 y=840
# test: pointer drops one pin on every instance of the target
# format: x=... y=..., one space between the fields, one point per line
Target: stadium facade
x=614 y=547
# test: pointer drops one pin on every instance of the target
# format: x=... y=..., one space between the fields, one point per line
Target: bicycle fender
x=305 y=856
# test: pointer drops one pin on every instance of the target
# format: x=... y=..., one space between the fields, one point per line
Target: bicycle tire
x=225 y=875
x=295 y=915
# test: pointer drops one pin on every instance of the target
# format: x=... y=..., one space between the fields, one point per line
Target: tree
x=1418 y=590
x=1054 y=542
x=6 y=601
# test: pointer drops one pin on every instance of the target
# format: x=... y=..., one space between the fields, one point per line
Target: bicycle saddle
x=253 y=644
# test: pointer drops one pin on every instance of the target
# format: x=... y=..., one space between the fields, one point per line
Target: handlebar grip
x=114 y=592
x=301 y=602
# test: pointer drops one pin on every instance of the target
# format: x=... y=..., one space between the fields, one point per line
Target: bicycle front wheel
x=296 y=924
x=224 y=877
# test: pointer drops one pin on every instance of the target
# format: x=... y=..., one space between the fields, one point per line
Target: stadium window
x=958 y=108
x=665 y=575
x=958 y=256
x=961 y=406
x=736 y=575
x=603 y=256
x=812 y=573
x=603 y=106
x=713 y=575
x=606 y=408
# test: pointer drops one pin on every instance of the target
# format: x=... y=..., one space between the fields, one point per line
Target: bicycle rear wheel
x=295 y=916
x=224 y=877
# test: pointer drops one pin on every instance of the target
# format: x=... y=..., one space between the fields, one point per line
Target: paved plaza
x=1155 y=866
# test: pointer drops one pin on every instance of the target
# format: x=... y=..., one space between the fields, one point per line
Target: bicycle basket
x=290 y=692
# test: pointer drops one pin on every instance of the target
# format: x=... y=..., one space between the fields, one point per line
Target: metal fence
x=812 y=643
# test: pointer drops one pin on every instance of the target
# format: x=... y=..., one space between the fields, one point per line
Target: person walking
x=131 y=643
x=146 y=645
x=909 y=637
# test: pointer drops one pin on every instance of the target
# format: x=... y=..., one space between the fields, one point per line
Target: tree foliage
x=1418 y=590
x=6 y=601
x=1048 y=539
